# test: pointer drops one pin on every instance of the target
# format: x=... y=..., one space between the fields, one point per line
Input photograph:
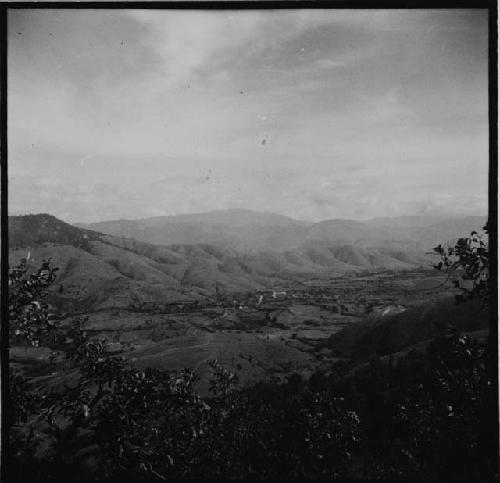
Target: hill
x=99 y=271
x=35 y=229
x=380 y=336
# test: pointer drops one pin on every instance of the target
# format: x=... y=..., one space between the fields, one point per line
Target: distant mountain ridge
x=232 y=216
x=250 y=231
x=406 y=220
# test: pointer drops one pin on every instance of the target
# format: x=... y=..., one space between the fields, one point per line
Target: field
x=260 y=335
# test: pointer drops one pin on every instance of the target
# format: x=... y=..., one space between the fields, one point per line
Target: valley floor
x=262 y=335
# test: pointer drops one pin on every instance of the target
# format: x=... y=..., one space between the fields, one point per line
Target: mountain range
x=119 y=263
x=250 y=231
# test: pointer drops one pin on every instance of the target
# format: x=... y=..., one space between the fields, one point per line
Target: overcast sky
x=314 y=114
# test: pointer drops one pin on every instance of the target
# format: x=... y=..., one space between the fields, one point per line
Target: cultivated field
x=260 y=335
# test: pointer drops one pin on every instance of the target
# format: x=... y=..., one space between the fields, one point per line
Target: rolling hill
x=99 y=271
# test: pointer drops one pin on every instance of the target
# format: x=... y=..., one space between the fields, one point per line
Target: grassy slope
x=100 y=271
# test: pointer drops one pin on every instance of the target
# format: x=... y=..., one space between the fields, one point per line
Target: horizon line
x=209 y=212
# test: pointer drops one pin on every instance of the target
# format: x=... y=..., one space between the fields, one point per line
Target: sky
x=314 y=114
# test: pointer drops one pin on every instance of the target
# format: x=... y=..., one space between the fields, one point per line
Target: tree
x=467 y=263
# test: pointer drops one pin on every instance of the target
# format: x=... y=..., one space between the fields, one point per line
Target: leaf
x=439 y=249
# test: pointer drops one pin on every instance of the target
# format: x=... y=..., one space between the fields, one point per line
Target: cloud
x=189 y=42
x=363 y=113
x=448 y=204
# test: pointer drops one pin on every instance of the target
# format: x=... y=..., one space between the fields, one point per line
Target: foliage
x=427 y=415
x=468 y=264
x=30 y=317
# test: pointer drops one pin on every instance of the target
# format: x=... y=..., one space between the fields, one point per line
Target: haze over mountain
x=101 y=271
x=247 y=230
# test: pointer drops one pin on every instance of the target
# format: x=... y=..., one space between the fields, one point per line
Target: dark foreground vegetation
x=427 y=414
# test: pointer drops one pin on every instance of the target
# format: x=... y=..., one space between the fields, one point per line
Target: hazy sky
x=310 y=113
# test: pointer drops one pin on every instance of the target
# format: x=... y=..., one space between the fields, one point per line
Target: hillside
x=380 y=336
x=100 y=271
x=35 y=229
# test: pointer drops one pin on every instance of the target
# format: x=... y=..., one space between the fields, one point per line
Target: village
x=316 y=303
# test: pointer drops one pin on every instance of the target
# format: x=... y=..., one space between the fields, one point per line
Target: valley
x=263 y=335
x=263 y=315
x=331 y=315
